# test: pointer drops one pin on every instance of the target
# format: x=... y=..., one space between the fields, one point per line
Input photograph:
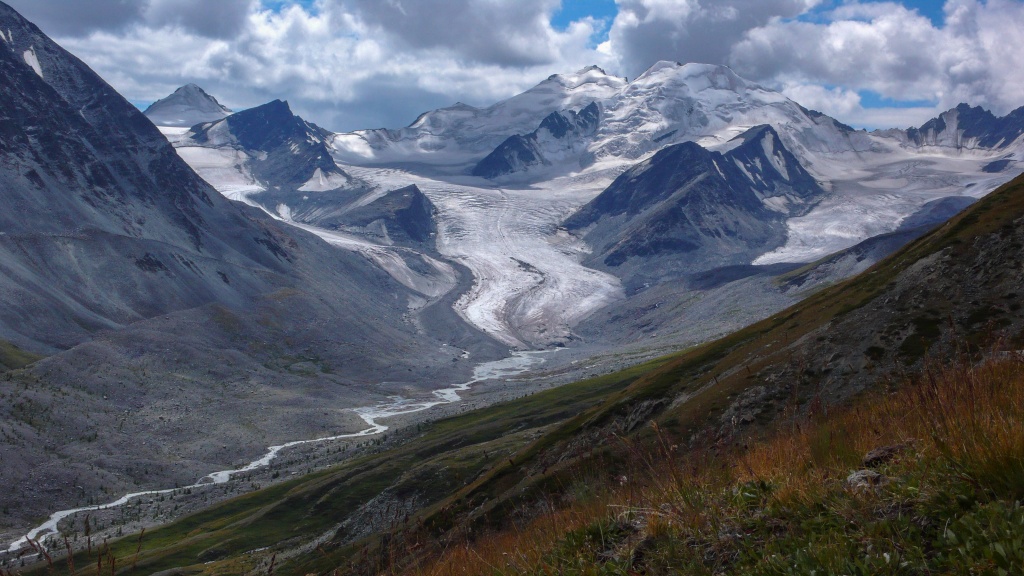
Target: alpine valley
x=299 y=350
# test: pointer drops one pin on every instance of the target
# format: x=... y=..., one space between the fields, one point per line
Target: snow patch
x=717 y=167
x=873 y=193
x=224 y=169
x=768 y=145
x=777 y=204
x=744 y=170
x=33 y=61
x=321 y=183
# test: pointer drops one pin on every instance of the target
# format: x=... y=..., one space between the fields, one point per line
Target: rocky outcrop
x=284 y=151
x=969 y=127
x=689 y=209
x=558 y=132
x=404 y=217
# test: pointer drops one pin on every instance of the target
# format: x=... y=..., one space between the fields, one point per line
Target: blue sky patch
x=278 y=5
x=869 y=99
x=573 y=10
x=931 y=9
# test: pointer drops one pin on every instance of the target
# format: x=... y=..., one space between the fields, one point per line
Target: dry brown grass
x=961 y=419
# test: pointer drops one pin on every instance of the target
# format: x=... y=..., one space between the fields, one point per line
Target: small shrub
x=988 y=540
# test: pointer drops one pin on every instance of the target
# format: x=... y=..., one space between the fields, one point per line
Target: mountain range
x=186 y=287
x=564 y=155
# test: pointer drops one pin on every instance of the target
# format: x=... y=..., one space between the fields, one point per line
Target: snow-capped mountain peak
x=187 y=106
x=696 y=75
x=658 y=68
x=969 y=127
x=462 y=134
x=589 y=75
x=282 y=149
x=669 y=103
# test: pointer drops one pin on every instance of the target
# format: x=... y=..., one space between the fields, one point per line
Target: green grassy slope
x=13 y=358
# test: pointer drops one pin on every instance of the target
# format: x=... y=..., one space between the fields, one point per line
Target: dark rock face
x=689 y=209
x=971 y=123
x=820 y=117
x=936 y=212
x=997 y=166
x=105 y=225
x=520 y=152
x=90 y=186
x=285 y=151
x=514 y=154
x=406 y=214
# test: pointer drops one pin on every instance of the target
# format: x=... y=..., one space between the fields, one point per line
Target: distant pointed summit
x=285 y=150
x=187 y=106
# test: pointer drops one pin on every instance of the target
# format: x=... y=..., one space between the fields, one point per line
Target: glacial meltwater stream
x=516 y=364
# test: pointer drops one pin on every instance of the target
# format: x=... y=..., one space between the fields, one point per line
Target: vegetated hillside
x=574 y=479
x=959 y=282
x=924 y=480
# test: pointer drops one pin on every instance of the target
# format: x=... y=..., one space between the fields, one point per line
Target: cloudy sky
x=349 y=64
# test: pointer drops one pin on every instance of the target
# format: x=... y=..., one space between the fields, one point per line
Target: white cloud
x=872 y=118
x=59 y=17
x=646 y=31
x=835 y=102
x=503 y=32
x=218 y=18
x=350 y=64
x=897 y=53
x=345 y=65
x=846 y=106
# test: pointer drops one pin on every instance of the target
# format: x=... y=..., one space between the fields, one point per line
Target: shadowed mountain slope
x=689 y=209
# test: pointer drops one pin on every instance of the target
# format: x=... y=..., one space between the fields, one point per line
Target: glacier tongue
x=529 y=286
